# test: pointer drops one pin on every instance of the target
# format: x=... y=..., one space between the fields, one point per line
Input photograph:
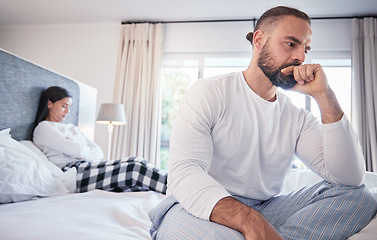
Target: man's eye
x=290 y=44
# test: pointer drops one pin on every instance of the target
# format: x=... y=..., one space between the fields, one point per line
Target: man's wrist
x=329 y=106
x=232 y=213
x=236 y=215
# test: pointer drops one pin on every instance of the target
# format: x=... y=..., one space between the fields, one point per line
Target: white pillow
x=371 y=183
x=23 y=174
x=66 y=180
x=370 y=180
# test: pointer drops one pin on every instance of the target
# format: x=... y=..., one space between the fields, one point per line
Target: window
x=181 y=70
x=176 y=78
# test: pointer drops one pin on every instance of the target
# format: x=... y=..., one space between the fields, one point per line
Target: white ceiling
x=21 y=12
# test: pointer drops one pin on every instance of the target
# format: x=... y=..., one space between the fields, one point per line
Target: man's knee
x=334 y=211
x=359 y=207
x=359 y=196
x=366 y=201
x=354 y=201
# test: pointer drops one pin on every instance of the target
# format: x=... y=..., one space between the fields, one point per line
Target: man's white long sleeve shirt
x=227 y=140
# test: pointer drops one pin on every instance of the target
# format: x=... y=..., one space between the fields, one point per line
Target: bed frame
x=21 y=85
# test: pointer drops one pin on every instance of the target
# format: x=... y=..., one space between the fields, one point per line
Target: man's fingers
x=288 y=70
x=310 y=73
x=292 y=70
x=299 y=75
x=306 y=72
x=302 y=73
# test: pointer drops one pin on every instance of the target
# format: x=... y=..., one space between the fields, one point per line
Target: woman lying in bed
x=66 y=147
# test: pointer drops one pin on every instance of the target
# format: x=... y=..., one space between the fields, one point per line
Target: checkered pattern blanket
x=124 y=175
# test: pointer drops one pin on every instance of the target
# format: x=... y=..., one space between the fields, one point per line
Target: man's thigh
x=179 y=224
x=321 y=211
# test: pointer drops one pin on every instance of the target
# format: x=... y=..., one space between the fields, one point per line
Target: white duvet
x=93 y=215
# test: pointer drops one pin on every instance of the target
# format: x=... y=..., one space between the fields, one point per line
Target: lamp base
x=110 y=129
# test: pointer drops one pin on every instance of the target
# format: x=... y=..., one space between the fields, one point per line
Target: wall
x=328 y=35
x=207 y=37
x=88 y=52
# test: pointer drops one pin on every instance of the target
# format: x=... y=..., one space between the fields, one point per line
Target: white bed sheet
x=106 y=215
x=93 y=215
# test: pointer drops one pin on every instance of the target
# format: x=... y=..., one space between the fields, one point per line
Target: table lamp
x=111 y=114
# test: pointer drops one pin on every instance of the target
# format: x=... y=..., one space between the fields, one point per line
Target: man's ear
x=259 y=39
x=49 y=104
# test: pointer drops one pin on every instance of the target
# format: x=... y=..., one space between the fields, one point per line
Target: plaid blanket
x=124 y=175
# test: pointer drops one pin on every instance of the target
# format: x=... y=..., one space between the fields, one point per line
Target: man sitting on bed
x=233 y=143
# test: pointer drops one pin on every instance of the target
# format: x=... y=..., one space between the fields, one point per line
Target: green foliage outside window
x=175 y=82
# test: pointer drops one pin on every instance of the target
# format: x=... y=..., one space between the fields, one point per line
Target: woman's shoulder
x=46 y=124
x=42 y=124
x=53 y=125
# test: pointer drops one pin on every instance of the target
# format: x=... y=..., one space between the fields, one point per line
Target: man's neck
x=260 y=84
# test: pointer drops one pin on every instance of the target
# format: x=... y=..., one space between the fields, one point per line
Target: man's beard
x=266 y=64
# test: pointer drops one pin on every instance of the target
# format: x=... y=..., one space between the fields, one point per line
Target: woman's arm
x=62 y=138
x=94 y=152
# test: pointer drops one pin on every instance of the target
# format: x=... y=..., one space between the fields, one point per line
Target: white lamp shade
x=111 y=113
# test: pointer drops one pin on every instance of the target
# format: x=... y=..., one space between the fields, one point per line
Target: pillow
x=5 y=132
x=23 y=175
x=370 y=181
x=67 y=178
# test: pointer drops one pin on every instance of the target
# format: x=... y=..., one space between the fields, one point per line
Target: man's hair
x=269 y=19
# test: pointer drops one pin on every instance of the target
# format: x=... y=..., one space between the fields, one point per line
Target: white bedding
x=93 y=215
x=106 y=215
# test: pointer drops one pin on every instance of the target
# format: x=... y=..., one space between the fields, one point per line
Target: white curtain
x=138 y=88
x=364 y=78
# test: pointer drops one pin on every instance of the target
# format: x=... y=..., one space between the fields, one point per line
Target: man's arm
x=234 y=214
x=334 y=152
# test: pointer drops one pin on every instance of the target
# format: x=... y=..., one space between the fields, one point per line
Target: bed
x=35 y=205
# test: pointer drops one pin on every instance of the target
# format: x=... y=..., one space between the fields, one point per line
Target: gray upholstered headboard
x=21 y=85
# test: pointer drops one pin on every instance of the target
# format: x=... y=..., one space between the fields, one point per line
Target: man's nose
x=299 y=55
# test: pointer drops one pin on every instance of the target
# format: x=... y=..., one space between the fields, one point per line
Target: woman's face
x=58 y=110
